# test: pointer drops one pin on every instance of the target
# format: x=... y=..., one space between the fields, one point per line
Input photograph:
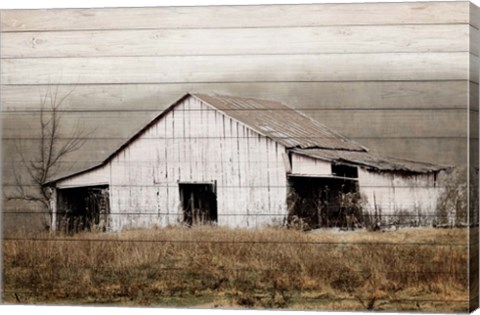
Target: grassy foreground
x=409 y=269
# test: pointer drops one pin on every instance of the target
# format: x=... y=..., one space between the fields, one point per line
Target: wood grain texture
x=474 y=68
x=474 y=39
x=442 y=151
x=236 y=16
x=472 y=131
x=473 y=96
x=25 y=125
x=381 y=123
x=474 y=155
x=448 y=151
x=257 y=68
x=473 y=128
x=235 y=168
x=303 y=95
x=398 y=192
x=474 y=15
x=294 y=40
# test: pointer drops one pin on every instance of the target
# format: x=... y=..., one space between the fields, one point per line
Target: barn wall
x=303 y=165
x=98 y=176
x=194 y=143
x=394 y=195
x=400 y=197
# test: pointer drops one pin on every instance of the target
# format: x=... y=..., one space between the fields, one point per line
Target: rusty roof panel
x=372 y=161
x=281 y=123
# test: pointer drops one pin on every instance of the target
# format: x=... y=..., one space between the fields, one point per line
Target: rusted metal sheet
x=280 y=123
x=372 y=161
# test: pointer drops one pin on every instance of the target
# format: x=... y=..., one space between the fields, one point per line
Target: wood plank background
x=236 y=16
x=239 y=41
x=400 y=78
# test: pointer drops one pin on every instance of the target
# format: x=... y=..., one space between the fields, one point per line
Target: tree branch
x=47 y=160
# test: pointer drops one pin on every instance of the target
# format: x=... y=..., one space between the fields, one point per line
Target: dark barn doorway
x=199 y=203
x=83 y=209
x=315 y=202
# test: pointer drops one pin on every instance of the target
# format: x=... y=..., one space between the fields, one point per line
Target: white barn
x=237 y=162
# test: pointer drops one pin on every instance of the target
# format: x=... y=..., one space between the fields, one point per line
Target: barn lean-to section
x=400 y=192
x=243 y=162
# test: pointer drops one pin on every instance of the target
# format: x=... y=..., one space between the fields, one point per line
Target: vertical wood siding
x=97 y=176
x=194 y=143
x=303 y=165
x=395 y=195
x=400 y=197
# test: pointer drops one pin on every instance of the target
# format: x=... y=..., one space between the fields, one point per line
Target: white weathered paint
x=394 y=194
x=303 y=165
x=53 y=207
x=94 y=177
x=194 y=143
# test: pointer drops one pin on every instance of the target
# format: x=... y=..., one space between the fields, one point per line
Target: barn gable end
x=192 y=142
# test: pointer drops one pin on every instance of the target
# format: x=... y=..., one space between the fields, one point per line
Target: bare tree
x=452 y=206
x=45 y=161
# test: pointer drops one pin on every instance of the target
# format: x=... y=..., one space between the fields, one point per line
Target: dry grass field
x=411 y=269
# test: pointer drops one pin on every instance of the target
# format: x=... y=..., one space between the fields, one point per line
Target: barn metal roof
x=307 y=136
x=281 y=123
x=371 y=161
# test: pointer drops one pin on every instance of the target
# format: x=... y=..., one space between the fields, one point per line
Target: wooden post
x=53 y=208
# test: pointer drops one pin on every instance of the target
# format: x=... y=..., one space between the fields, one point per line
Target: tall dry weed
x=274 y=268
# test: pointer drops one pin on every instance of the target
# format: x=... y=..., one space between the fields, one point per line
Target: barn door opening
x=315 y=202
x=199 y=202
x=83 y=209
